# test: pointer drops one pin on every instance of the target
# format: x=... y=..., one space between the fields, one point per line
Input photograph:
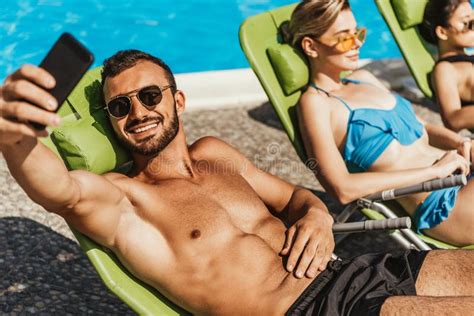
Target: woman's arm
x=330 y=169
x=454 y=116
x=441 y=137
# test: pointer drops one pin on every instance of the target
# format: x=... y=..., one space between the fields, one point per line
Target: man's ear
x=441 y=33
x=307 y=44
x=180 y=101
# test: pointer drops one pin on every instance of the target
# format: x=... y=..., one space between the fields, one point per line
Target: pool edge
x=221 y=89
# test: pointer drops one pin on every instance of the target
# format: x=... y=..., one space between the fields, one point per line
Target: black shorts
x=361 y=285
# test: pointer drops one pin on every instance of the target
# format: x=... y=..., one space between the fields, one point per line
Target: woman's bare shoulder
x=313 y=99
x=443 y=69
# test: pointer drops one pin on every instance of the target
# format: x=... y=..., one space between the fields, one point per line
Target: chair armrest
x=384 y=224
x=426 y=186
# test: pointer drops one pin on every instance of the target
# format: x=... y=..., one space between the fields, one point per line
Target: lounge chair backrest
x=86 y=141
x=403 y=18
x=282 y=70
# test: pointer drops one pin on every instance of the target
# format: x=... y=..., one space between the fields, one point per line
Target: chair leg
x=402 y=241
x=347 y=212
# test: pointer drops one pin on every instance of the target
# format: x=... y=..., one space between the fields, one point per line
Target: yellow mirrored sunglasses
x=345 y=43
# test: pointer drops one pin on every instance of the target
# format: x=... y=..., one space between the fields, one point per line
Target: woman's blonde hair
x=312 y=18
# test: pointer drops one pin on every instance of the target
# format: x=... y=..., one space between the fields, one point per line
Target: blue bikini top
x=370 y=131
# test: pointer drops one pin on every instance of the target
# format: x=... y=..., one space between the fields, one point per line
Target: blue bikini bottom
x=436 y=208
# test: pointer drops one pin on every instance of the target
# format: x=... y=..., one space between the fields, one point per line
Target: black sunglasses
x=469 y=25
x=149 y=97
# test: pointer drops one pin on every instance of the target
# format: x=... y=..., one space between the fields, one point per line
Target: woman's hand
x=466 y=149
x=451 y=163
x=309 y=243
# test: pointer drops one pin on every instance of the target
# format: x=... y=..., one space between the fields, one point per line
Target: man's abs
x=233 y=272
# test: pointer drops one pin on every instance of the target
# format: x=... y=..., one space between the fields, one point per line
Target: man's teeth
x=144 y=128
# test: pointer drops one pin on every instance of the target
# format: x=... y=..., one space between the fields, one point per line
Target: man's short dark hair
x=125 y=59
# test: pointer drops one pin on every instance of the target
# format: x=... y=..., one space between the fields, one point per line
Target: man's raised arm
x=38 y=171
x=41 y=174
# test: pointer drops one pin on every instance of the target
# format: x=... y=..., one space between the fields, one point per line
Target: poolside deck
x=43 y=270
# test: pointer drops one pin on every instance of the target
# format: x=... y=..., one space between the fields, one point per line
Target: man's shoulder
x=211 y=148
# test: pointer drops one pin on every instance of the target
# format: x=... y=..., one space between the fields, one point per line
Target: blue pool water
x=190 y=35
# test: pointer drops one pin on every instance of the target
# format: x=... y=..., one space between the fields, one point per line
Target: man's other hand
x=24 y=98
x=309 y=243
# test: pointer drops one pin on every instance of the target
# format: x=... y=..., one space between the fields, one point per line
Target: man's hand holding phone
x=24 y=98
x=31 y=95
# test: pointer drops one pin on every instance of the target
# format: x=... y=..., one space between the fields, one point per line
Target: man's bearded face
x=150 y=144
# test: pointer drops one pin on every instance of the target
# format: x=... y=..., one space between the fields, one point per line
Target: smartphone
x=67 y=61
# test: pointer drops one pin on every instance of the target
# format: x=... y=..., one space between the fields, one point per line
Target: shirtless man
x=209 y=235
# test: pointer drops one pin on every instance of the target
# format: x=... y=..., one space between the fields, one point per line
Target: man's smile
x=143 y=128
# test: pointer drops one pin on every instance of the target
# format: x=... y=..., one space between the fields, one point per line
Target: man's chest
x=187 y=208
x=183 y=219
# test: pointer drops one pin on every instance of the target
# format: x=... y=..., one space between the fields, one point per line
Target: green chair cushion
x=86 y=98
x=89 y=145
x=86 y=140
x=409 y=12
x=289 y=66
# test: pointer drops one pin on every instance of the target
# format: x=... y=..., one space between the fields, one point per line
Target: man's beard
x=151 y=146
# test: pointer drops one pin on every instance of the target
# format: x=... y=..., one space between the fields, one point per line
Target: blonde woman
x=449 y=24
x=367 y=139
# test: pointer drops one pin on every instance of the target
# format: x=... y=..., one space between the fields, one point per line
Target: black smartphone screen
x=67 y=61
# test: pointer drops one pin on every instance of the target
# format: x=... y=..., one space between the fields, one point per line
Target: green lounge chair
x=403 y=18
x=86 y=141
x=283 y=74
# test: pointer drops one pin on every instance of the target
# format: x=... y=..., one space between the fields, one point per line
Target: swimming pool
x=190 y=35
